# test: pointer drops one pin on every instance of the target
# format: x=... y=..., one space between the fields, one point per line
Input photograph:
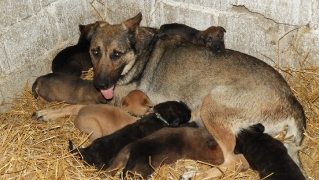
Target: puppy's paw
x=187 y=176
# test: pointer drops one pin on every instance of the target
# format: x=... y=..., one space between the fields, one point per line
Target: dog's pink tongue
x=108 y=93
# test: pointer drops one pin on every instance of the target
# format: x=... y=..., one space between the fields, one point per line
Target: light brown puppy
x=103 y=119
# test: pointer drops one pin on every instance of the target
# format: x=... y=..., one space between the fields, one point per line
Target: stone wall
x=32 y=32
x=281 y=32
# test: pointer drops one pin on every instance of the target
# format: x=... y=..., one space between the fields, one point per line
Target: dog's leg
x=217 y=121
x=54 y=113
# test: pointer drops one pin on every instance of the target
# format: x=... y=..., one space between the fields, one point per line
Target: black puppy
x=266 y=154
x=212 y=37
x=75 y=59
x=166 y=146
x=102 y=151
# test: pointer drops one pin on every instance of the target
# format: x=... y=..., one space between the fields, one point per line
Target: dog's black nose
x=100 y=84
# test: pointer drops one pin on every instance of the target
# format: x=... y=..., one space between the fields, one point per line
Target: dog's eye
x=220 y=36
x=116 y=55
x=209 y=40
x=96 y=52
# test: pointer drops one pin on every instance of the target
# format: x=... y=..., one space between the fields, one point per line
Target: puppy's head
x=91 y=154
x=137 y=102
x=214 y=38
x=83 y=153
x=175 y=113
x=246 y=135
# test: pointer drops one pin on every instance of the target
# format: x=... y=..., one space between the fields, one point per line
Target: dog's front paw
x=41 y=115
x=187 y=176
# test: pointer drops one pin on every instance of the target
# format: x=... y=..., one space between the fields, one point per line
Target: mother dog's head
x=113 y=52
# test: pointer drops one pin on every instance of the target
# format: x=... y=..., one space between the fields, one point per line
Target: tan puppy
x=103 y=119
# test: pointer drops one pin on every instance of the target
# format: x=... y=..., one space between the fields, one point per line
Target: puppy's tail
x=71 y=149
x=131 y=162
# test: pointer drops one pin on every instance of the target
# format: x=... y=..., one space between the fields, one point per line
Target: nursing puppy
x=104 y=119
x=166 y=146
x=103 y=150
x=266 y=154
x=212 y=37
x=67 y=88
x=75 y=59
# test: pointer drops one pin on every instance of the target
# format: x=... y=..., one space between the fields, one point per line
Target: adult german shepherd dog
x=227 y=91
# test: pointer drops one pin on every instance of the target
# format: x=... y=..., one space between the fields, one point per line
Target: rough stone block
x=15 y=11
x=297 y=12
x=68 y=15
x=220 y=5
x=127 y=10
x=13 y=85
x=28 y=40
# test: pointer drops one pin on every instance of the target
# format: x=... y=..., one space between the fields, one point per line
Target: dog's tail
x=35 y=88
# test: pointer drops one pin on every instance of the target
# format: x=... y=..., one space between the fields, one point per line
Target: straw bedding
x=31 y=149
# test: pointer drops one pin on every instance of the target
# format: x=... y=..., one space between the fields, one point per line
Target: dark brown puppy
x=212 y=37
x=103 y=150
x=67 y=88
x=75 y=59
x=266 y=154
x=166 y=146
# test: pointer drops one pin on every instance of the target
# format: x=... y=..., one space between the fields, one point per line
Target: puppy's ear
x=223 y=29
x=133 y=23
x=147 y=102
x=124 y=102
x=238 y=149
x=211 y=144
x=259 y=128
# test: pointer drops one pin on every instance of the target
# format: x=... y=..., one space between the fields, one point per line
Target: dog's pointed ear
x=81 y=28
x=133 y=23
x=94 y=27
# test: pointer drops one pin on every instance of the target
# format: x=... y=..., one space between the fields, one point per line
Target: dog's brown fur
x=167 y=146
x=231 y=90
x=212 y=37
x=67 y=88
x=75 y=59
x=104 y=119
